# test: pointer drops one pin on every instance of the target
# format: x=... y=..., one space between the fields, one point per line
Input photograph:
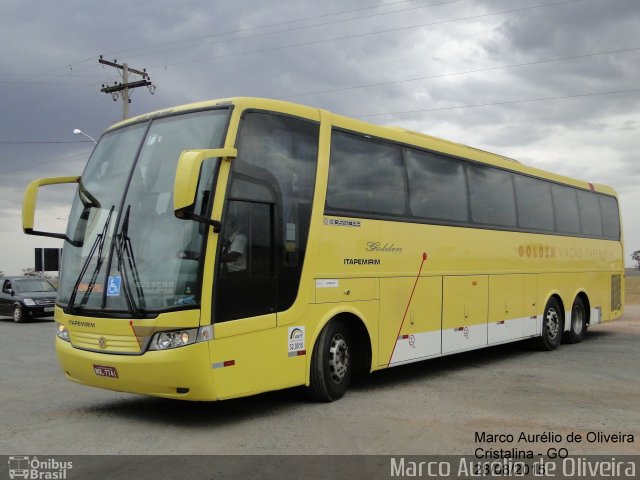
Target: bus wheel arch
x=340 y=350
x=552 y=323
x=580 y=310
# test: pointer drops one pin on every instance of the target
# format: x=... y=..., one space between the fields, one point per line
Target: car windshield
x=126 y=249
x=34 y=285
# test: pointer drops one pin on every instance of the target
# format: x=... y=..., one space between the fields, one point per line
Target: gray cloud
x=586 y=137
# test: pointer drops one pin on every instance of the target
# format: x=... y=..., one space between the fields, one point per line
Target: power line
x=319 y=41
x=45 y=165
x=465 y=72
x=277 y=48
x=240 y=30
x=303 y=27
x=70 y=66
x=48 y=72
x=37 y=142
x=506 y=102
x=360 y=35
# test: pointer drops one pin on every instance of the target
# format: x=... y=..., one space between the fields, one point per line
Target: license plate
x=103 y=371
x=48 y=309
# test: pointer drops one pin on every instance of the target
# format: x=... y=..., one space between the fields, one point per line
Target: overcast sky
x=552 y=83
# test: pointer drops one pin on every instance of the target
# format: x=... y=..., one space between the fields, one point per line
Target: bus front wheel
x=551 y=325
x=578 y=321
x=331 y=363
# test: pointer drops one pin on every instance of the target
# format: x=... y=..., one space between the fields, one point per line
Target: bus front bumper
x=181 y=373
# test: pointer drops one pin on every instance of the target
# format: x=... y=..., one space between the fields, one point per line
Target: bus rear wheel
x=578 y=321
x=331 y=363
x=551 y=325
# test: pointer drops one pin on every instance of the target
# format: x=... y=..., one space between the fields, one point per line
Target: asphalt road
x=433 y=407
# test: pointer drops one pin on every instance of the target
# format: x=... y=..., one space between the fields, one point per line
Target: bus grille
x=105 y=343
x=616 y=292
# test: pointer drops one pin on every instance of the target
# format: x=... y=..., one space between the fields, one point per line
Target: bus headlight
x=174 y=339
x=63 y=333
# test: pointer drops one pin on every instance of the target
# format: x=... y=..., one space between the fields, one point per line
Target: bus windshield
x=126 y=250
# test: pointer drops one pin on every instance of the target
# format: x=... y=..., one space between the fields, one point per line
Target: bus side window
x=365 y=175
x=565 y=204
x=492 y=196
x=590 y=217
x=535 y=207
x=610 y=217
x=437 y=187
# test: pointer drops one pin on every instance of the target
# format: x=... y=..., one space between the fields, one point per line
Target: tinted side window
x=365 y=176
x=610 y=217
x=491 y=196
x=535 y=208
x=437 y=187
x=271 y=197
x=565 y=204
x=590 y=219
x=247 y=262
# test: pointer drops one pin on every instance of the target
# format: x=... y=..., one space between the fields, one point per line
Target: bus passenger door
x=464 y=313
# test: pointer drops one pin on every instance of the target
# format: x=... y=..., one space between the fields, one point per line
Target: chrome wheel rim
x=17 y=314
x=338 y=358
x=577 y=320
x=552 y=323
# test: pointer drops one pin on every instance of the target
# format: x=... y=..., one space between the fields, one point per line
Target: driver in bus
x=234 y=248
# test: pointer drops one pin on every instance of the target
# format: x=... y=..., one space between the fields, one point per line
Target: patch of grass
x=632 y=289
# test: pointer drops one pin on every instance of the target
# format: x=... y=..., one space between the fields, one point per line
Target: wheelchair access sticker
x=113 y=286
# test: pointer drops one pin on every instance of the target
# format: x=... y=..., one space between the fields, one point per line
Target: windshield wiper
x=123 y=247
x=98 y=244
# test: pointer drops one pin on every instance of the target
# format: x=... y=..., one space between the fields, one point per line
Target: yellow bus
x=231 y=247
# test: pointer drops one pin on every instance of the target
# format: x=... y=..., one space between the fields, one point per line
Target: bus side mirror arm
x=185 y=187
x=29 y=205
x=185 y=215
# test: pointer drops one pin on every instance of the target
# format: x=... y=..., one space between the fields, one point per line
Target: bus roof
x=393 y=133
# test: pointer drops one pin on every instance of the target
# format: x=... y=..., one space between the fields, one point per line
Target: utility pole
x=122 y=89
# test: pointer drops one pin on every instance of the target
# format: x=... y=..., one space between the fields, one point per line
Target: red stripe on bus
x=404 y=317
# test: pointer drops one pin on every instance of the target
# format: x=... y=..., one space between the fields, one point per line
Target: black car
x=26 y=297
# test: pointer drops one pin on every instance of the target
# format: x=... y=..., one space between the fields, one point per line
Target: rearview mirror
x=186 y=183
x=29 y=204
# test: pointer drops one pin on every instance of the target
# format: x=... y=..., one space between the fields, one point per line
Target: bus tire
x=331 y=363
x=551 y=325
x=578 y=325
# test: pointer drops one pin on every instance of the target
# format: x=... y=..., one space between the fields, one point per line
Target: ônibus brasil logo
x=34 y=468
